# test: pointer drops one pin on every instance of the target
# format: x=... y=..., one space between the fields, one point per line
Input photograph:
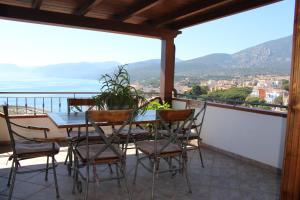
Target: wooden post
x=167 y=69
x=290 y=184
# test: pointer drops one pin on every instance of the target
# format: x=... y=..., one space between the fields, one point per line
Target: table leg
x=70 y=152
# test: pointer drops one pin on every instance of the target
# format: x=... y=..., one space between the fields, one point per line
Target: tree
x=278 y=100
x=255 y=100
x=231 y=94
x=198 y=90
x=285 y=84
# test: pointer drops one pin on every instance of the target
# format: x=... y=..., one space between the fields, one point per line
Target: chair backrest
x=200 y=107
x=10 y=130
x=78 y=104
x=120 y=118
x=171 y=124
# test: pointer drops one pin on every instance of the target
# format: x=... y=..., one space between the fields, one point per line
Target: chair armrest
x=38 y=128
x=31 y=127
x=52 y=139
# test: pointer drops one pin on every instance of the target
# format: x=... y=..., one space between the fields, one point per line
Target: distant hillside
x=273 y=57
x=76 y=70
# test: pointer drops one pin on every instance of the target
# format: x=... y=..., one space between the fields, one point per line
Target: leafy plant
x=238 y=94
x=117 y=93
x=155 y=105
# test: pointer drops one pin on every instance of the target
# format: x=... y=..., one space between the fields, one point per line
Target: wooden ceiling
x=149 y=18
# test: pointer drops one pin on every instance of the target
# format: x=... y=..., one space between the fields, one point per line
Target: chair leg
x=67 y=157
x=87 y=181
x=136 y=167
x=110 y=169
x=200 y=154
x=186 y=173
x=55 y=177
x=117 y=171
x=75 y=175
x=153 y=178
x=123 y=171
x=47 y=168
x=10 y=173
x=70 y=163
x=14 y=172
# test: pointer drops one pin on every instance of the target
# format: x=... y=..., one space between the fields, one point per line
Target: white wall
x=252 y=135
x=40 y=122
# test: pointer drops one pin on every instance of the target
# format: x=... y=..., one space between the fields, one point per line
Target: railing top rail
x=61 y=93
x=231 y=101
x=49 y=92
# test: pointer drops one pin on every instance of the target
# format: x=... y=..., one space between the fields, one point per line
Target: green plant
x=155 y=105
x=117 y=93
x=232 y=94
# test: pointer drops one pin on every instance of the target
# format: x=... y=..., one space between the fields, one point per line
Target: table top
x=73 y=120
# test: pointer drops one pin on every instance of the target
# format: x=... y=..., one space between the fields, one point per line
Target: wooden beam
x=36 y=4
x=68 y=20
x=290 y=181
x=137 y=8
x=86 y=7
x=167 y=69
x=191 y=9
x=228 y=9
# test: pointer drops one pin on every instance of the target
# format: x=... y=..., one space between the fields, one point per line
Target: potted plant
x=117 y=93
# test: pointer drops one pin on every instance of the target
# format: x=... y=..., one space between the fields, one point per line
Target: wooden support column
x=290 y=183
x=167 y=69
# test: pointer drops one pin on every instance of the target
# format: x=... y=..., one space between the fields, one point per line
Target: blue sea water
x=49 y=85
x=51 y=102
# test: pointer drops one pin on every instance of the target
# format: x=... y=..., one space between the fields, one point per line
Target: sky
x=32 y=45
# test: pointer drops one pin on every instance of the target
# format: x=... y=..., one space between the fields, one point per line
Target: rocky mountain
x=272 y=57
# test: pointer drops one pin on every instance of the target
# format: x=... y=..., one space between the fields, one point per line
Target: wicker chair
x=107 y=151
x=28 y=148
x=166 y=145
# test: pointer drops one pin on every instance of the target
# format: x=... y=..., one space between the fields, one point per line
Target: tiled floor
x=222 y=178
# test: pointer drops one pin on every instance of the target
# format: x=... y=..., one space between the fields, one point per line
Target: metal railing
x=266 y=106
x=33 y=103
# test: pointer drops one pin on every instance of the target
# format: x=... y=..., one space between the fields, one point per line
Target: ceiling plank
x=68 y=20
x=135 y=9
x=36 y=4
x=189 y=10
x=86 y=7
x=213 y=14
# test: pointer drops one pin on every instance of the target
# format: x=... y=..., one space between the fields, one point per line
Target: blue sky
x=31 y=45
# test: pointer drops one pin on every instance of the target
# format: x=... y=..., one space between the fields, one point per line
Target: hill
x=272 y=57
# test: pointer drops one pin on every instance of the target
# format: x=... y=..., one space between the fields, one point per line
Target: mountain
x=83 y=70
x=272 y=57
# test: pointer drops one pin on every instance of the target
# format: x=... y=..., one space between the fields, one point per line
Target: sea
x=45 y=102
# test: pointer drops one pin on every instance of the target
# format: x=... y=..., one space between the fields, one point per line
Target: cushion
x=133 y=131
x=106 y=155
x=147 y=147
x=42 y=149
x=74 y=134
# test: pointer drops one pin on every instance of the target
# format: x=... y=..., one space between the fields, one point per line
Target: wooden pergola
x=163 y=19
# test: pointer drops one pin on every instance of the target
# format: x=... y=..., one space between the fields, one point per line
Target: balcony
x=242 y=150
